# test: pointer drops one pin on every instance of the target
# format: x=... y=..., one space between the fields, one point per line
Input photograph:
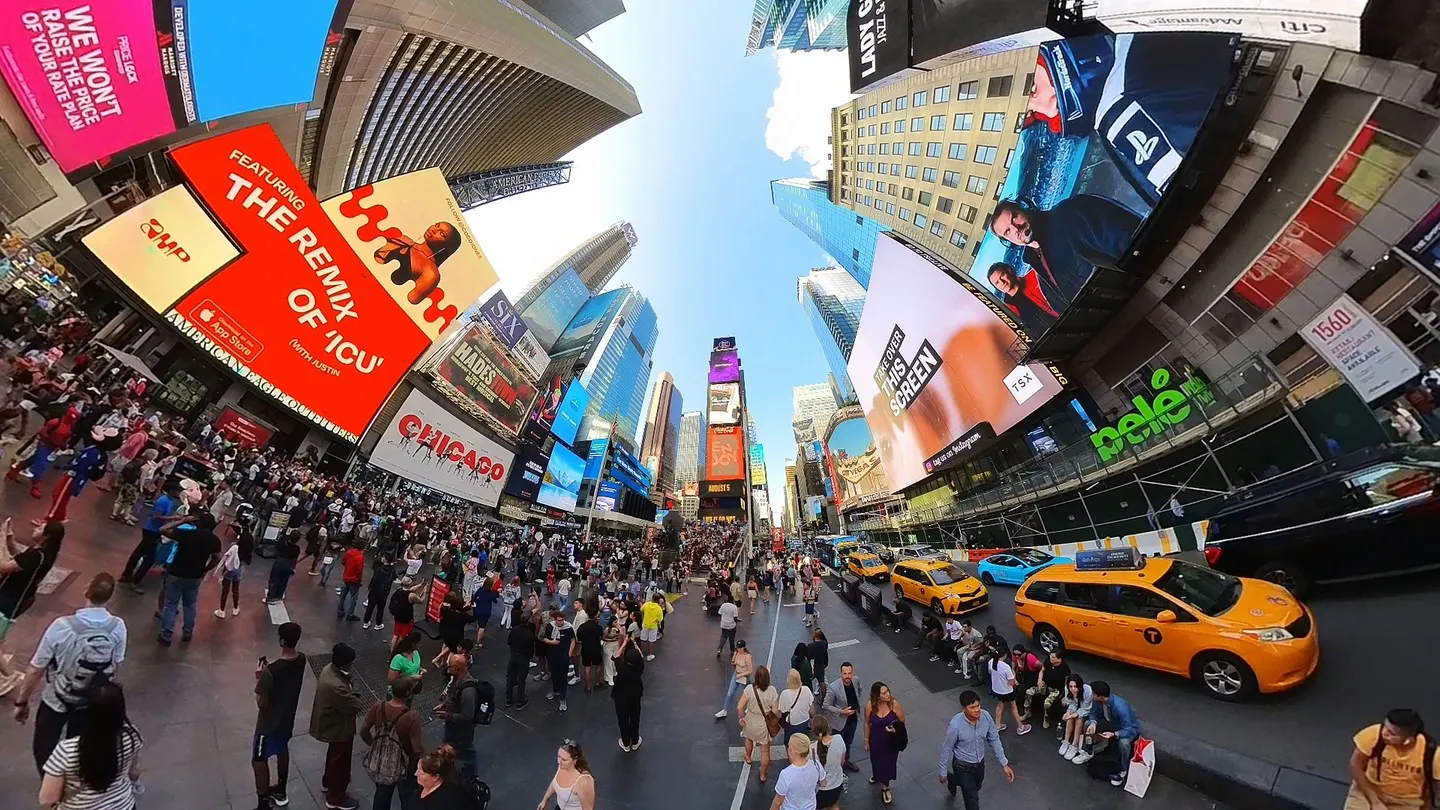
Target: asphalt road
x=1379 y=649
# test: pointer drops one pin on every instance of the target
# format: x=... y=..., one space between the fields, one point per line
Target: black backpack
x=1427 y=785
x=476 y=792
x=484 y=703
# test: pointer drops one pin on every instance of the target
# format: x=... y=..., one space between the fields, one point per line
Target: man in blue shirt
x=143 y=557
x=1112 y=719
x=962 y=753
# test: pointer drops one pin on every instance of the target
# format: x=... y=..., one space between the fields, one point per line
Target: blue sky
x=692 y=173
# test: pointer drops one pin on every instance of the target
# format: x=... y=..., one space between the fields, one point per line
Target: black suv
x=1366 y=514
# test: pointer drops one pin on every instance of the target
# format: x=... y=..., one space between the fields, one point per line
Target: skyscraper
x=612 y=338
x=813 y=405
x=848 y=237
x=690 y=460
x=798 y=25
x=662 y=434
x=555 y=296
x=833 y=303
x=576 y=17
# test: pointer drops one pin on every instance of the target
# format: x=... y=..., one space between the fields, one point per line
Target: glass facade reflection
x=848 y=237
x=621 y=330
x=553 y=309
x=798 y=25
x=833 y=302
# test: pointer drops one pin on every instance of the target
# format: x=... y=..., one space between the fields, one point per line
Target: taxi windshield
x=1033 y=557
x=1204 y=589
x=948 y=575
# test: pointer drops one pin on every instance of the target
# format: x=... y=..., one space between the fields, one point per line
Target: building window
x=937 y=227
x=975 y=184
x=844 y=193
x=918 y=99
x=868 y=199
x=912 y=171
x=859 y=182
x=925 y=198
x=885 y=105
x=884 y=127
x=915 y=149
x=844 y=151
x=944 y=204
x=905 y=214
x=968 y=212
x=975 y=249
x=871 y=149
x=871 y=131
x=942 y=94
x=1029 y=85
x=964 y=121
x=917 y=124
x=932 y=149
x=870 y=185
x=844 y=134
x=901 y=102
x=844 y=120
x=992 y=122
x=928 y=175
x=860 y=114
x=889 y=209
x=985 y=155
x=937 y=123
x=900 y=125
x=895 y=167
x=1009 y=156
x=884 y=149
x=872 y=112
x=957 y=151
x=883 y=168
x=921 y=220
x=999 y=86
x=907 y=194
x=950 y=179
x=967 y=91
x=879 y=204
x=958 y=239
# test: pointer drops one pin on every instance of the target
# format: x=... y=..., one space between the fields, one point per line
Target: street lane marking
x=794 y=604
x=849 y=642
x=739 y=797
x=278 y=613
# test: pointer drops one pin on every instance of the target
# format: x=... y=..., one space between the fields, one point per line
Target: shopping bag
x=1142 y=767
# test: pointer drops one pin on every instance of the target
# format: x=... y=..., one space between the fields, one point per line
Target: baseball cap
x=740 y=644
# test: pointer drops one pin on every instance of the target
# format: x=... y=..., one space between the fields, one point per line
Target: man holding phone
x=277 y=697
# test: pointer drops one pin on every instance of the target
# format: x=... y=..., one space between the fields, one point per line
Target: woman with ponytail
x=829 y=751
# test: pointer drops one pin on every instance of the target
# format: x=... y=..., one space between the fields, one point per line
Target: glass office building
x=555 y=297
x=833 y=302
x=614 y=333
x=798 y=25
x=848 y=237
x=551 y=311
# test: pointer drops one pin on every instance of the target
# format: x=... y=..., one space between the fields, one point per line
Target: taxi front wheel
x=1224 y=676
x=1049 y=639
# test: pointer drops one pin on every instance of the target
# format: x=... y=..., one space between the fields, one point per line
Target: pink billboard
x=87 y=75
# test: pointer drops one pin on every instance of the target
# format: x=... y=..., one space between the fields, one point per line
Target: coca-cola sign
x=424 y=443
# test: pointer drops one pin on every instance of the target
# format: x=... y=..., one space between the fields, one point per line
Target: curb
x=1240 y=781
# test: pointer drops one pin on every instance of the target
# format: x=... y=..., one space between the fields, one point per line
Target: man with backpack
x=392 y=730
x=76 y=652
x=277 y=698
x=1393 y=765
x=470 y=703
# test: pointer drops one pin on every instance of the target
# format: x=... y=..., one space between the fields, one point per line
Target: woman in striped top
x=98 y=769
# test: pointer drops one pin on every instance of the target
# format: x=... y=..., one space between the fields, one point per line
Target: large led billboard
x=162 y=247
x=725 y=453
x=855 y=461
x=547 y=406
x=96 y=78
x=757 y=466
x=526 y=472
x=560 y=487
x=878 y=32
x=298 y=315
x=479 y=371
x=628 y=469
x=571 y=413
x=595 y=458
x=409 y=232
x=607 y=495
x=1335 y=23
x=511 y=330
x=724 y=367
x=1104 y=133
x=949 y=31
x=724 y=404
x=425 y=444
x=932 y=367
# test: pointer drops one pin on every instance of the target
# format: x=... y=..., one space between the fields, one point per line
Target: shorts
x=234 y=576
x=809 y=608
x=591 y=657
x=1008 y=697
x=402 y=629
x=828 y=798
x=651 y=636
x=265 y=746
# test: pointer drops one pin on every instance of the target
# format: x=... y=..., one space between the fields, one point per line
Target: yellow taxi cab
x=1233 y=636
x=941 y=584
x=868 y=567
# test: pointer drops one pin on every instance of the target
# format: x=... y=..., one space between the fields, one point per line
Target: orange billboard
x=725 y=453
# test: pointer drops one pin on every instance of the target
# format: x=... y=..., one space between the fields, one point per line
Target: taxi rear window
x=1047 y=592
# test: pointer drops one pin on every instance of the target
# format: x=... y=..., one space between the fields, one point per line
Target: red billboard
x=240 y=428
x=725 y=453
x=298 y=315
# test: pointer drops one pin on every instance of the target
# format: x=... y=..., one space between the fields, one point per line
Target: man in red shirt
x=353 y=564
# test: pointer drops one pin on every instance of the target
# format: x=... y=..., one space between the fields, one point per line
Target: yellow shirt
x=650 y=616
x=1401 y=772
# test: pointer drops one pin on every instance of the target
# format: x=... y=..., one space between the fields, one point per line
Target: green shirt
x=409 y=667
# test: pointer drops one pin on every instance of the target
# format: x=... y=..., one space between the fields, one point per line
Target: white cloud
x=812 y=83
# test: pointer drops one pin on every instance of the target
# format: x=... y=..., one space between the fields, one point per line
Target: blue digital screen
x=636 y=473
x=280 y=60
x=607 y=496
x=571 y=413
x=596 y=459
x=561 y=486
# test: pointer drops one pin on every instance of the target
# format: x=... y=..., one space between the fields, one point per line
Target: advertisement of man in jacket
x=332 y=721
x=1066 y=243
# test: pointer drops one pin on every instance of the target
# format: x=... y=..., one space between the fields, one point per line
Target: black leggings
x=376 y=608
x=627 y=713
x=231 y=588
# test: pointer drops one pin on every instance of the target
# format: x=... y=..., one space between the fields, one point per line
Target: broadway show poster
x=1103 y=136
x=478 y=369
x=412 y=237
x=86 y=74
x=298 y=315
x=932 y=368
x=426 y=444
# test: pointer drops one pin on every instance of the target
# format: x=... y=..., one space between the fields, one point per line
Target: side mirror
x=1166 y=617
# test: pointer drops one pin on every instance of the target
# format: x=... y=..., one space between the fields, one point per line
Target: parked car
x=920 y=552
x=940 y=584
x=1014 y=567
x=1365 y=515
x=884 y=553
x=868 y=567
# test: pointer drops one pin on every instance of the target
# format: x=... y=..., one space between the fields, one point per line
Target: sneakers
x=342 y=803
x=564 y=707
x=379 y=627
x=522 y=704
x=1066 y=749
x=219 y=614
x=550 y=696
x=365 y=626
x=1118 y=779
x=934 y=658
x=1001 y=727
x=1023 y=729
x=636 y=746
x=314 y=573
x=623 y=746
x=278 y=797
x=235 y=611
x=722 y=714
x=539 y=676
x=650 y=657
x=574 y=679
x=1081 y=757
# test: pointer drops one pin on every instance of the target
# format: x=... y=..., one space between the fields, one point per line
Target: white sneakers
x=219 y=614
x=1081 y=757
x=1067 y=750
x=235 y=611
x=723 y=713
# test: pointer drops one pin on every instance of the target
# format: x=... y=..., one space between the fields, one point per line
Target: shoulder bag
x=772 y=717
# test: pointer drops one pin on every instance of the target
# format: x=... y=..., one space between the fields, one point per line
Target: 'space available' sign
x=1365 y=353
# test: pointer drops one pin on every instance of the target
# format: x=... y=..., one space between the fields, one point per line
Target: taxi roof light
x=1128 y=558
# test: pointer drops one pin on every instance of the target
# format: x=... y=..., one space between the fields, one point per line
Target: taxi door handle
x=1121 y=623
